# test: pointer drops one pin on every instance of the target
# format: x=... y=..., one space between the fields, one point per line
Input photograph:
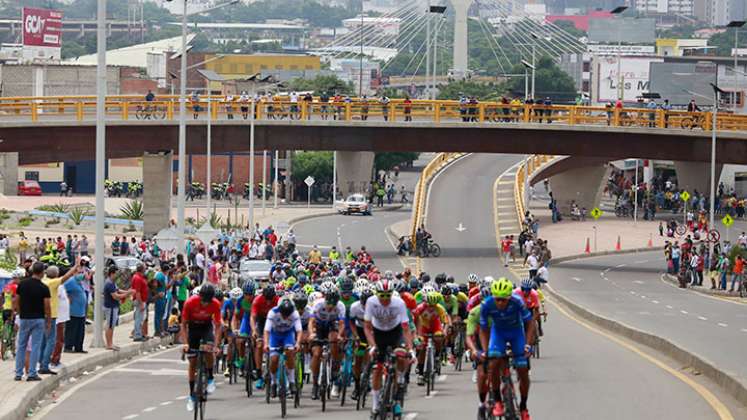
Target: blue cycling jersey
x=512 y=317
x=228 y=310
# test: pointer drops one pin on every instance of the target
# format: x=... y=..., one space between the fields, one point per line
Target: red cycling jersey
x=195 y=311
x=260 y=306
x=531 y=299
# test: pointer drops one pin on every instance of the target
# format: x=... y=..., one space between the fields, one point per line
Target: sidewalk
x=19 y=399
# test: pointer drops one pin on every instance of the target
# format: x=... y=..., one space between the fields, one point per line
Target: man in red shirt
x=506 y=244
x=261 y=305
x=201 y=324
x=140 y=299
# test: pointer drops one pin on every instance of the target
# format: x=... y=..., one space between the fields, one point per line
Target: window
x=585 y=86
x=587 y=66
x=31 y=175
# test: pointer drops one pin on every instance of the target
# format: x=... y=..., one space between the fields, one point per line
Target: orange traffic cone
x=588 y=247
x=617 y=245
x=650 y=241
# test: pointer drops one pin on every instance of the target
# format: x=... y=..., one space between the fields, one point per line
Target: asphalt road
x=583 y=374
x=630 y=289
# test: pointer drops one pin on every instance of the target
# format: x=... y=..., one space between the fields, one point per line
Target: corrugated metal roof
x=134 y=55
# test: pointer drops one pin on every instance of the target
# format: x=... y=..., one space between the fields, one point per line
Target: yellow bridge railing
x=166 y=107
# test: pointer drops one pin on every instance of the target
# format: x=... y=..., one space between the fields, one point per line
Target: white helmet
x=361 y=284
x=196 y=291
x=236 y=293
x=427 y=289
x=487 y=281
x=472 y=278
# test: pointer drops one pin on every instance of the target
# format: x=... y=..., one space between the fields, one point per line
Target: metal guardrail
x=129 y=107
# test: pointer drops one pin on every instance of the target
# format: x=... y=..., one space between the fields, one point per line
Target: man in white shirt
x=533 y=263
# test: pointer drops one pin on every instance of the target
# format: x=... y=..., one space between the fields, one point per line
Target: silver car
x=355 y=203
x=259 y=270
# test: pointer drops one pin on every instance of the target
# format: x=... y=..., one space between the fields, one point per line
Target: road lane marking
x=641 y=262
x=149 y=409
x=721 y=410
x=165 y=403
x=632 y=292
x=577 y=279
x=684 y=312
x=441 y=378
x=643 y=297
x=181 y=397
x=410 y=416
x=655 y=301
x=620 y=265
x=744 y=330
x=638 y=282
x=130 y=417
x=669 y=307
x=702 y=318
x=433 y=394
x=721 y=324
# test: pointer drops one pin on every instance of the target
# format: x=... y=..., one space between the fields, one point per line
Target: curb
x=89 y=364
x=300 y=219
x=702 y=290
x=723 y=379
x=603 y=253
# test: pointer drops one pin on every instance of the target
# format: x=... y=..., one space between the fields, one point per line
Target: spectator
x=737 y=270
x=63 y=316
x=32 y=303
x=112 y=296
x=506 y=245
x=83 y=245
x=53 y=282
x=75 y=328
x=160 y=299
x=533 y=263
x=140 y=287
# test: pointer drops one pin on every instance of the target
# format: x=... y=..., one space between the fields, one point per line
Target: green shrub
x=77 y=215
x=133 y=210
x=56 y=208
x=25 y=221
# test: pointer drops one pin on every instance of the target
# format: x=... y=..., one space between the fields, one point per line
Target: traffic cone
x=588 y=247
x=617 y=245
x=650 y=241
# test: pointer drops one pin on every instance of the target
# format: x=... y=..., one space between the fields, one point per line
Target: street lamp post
x=620 y=90
x=98 y=275
x=251 y=164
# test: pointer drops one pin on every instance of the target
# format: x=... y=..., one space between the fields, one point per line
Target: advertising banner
x=42 y=33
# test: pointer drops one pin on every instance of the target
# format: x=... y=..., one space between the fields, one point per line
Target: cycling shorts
x=361 y=335
x=433 y=327
x=391 y=340
x=283 y=340
x=324 y=328
x=199 y=333
x=517 y=339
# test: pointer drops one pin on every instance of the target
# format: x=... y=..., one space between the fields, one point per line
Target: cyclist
x=511 y=323
x=477 y=352
x=282 y=333
x=472 y=285
x=356 y=317
x=451 y=305
x=260 y=308
x=149 y=97
x=386 y=327
x=430 y=318
x=229 y=313
x=328 y=318
x=242 y=320
x=196 y=329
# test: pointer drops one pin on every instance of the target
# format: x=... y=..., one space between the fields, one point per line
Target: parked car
x=29 y=188
x=355 y=203
x=259 y=270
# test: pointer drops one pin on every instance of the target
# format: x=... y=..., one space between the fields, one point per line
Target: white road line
x=721 y=324
x=577 y=279
x=655 y=301
x=620 y=265
x=441 y=378
x=181 y=397
x=131 y=416
x=669 y=307
x=702 y=318
x=433 y=394
x=166 y=403
x=149 y=409
x=638 y=282
x=157 y=360
x=684 y=312
x=601 y=273
x=641 y=262
x=744 y=330
x=632 y=292
x=410 y=416
x=607 y=270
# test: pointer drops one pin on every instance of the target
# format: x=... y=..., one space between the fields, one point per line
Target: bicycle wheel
x=200 y=384
x=435 y=250
x=687 y=123
x=363 y=388
x=159 y=113
x=248 y=368
x=282 y=386
x=268 y=380
x=509 y=398
x=299 y=377
x=428 y=372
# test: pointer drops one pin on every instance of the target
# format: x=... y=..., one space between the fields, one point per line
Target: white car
x=259 y=270
x=355 y=203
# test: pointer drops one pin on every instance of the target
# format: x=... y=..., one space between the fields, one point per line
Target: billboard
x=635 y=77
x=625 y=30
x=42 y=33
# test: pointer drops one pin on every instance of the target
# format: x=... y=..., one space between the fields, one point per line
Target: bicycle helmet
x=290 y=282
x=472 y=278
x=414 y=284
x=361 y=284
x=384 y=286
x=388 y=274
x=347 y=285
x=219 y=295
x=502 y=288
x=235 y=293
x=399 y=286
x=365 y=293
x=441 y=278
x=487 y=281
x=446 y=290
x=300 y=300
x=196 y=291
x=432 y=298
x=286 y=308
x=450 y=279
x=249 y=288
x=527 y=284
x=463 y=288
x=207 y=292
x=332 y=297
x=485 y=292
x=425 y=278
x=427 y=289
x=269 y=292
x=302 y=279
x=308 y=289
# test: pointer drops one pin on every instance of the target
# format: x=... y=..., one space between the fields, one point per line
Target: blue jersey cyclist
x=511 y=323
x=328 y=318
x=242 y=319
x=230 y=312
x=282 y=334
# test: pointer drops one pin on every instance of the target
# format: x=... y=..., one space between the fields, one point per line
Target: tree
x=71 y=49
x=570 y=28
x=388 y=160
x=315 y=164
x=329 y=84
x=724 y=42
x=551 y=82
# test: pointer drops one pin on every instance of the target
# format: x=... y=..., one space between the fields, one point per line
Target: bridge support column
x=582 y=185
x=692 y=176
x=354 y=172
x=461 y=58
x=8 y=173
x=157 y=174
